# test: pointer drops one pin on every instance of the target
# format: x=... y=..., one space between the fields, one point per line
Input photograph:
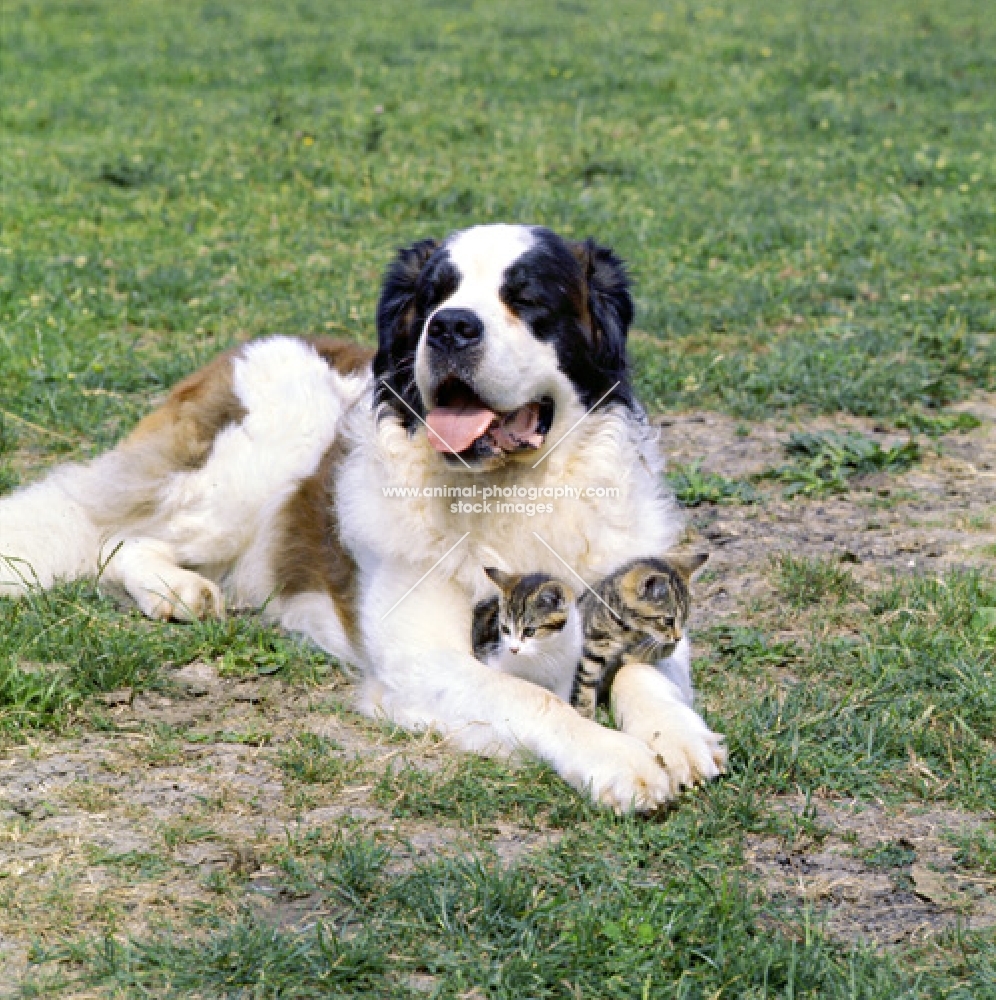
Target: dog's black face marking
x=420 y=278
x=576 y=296
x=573 y=296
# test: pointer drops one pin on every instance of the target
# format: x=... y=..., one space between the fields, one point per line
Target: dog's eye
x=437 y=282
x=520 y=297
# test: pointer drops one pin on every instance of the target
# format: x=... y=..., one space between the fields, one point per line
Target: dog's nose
x=455 y=330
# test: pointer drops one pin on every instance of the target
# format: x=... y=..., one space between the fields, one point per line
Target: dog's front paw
x=185 y=597
x=650 y=707
x=626 y=776
x=688 y=748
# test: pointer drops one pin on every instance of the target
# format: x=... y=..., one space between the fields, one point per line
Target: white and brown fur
x=260 y=483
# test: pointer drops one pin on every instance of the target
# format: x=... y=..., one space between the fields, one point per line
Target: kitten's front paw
x=627 y=776
x=688 y=748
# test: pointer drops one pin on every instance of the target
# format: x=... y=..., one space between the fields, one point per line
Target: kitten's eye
x=527 y=632
x=655 y=588
x=505 y=630
x=669 y=623
x=549 y=601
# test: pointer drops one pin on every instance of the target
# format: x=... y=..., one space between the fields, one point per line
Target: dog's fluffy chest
x=595 y=502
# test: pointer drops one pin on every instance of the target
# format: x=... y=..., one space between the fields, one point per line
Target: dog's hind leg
x=47 y=534
x=148 y=571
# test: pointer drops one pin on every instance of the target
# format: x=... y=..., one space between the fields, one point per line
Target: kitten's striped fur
x=635 y=615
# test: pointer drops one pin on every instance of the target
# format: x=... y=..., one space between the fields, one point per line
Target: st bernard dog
x=328 y=486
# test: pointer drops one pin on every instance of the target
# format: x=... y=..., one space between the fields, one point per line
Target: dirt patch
x=939 y=515
x=875 y=874
x=127 y=829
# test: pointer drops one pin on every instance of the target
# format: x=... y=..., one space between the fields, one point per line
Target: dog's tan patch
x=197 y=409
x=344 y=356
x=201 y=406
x=179 y=436
x=309 y=557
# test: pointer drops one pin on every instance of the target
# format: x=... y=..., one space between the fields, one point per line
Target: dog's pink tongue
x=456 y=428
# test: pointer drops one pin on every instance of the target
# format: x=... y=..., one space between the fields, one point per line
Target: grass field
x=806 y=196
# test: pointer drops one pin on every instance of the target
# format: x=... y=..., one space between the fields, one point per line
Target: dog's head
x=488 y=334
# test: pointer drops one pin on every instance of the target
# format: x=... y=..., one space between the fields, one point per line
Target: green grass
x=316 y=760
x=247 y=958
x=805 y=197
x=805 y=194
x=59 y=648
x=865 y=371
x=824 y=462
x=903 y=709
x=978 y=851
x=936 y=424
x=625 y=909
x=807 y=582
x=474 y=791
x=693 y=487
x=142 y=864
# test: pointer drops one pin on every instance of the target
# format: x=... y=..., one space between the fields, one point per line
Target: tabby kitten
x=635 y=615
x=531 y=628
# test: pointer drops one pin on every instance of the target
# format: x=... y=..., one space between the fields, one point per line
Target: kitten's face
x=657 y=599
x=534 y=611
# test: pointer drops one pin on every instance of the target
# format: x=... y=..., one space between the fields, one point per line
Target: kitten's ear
x=687 y=565
x=502 y=580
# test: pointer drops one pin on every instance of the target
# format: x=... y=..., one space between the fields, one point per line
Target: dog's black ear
x=609 y=308
x=396 y=306
x=397 y=337
x=610 y=304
